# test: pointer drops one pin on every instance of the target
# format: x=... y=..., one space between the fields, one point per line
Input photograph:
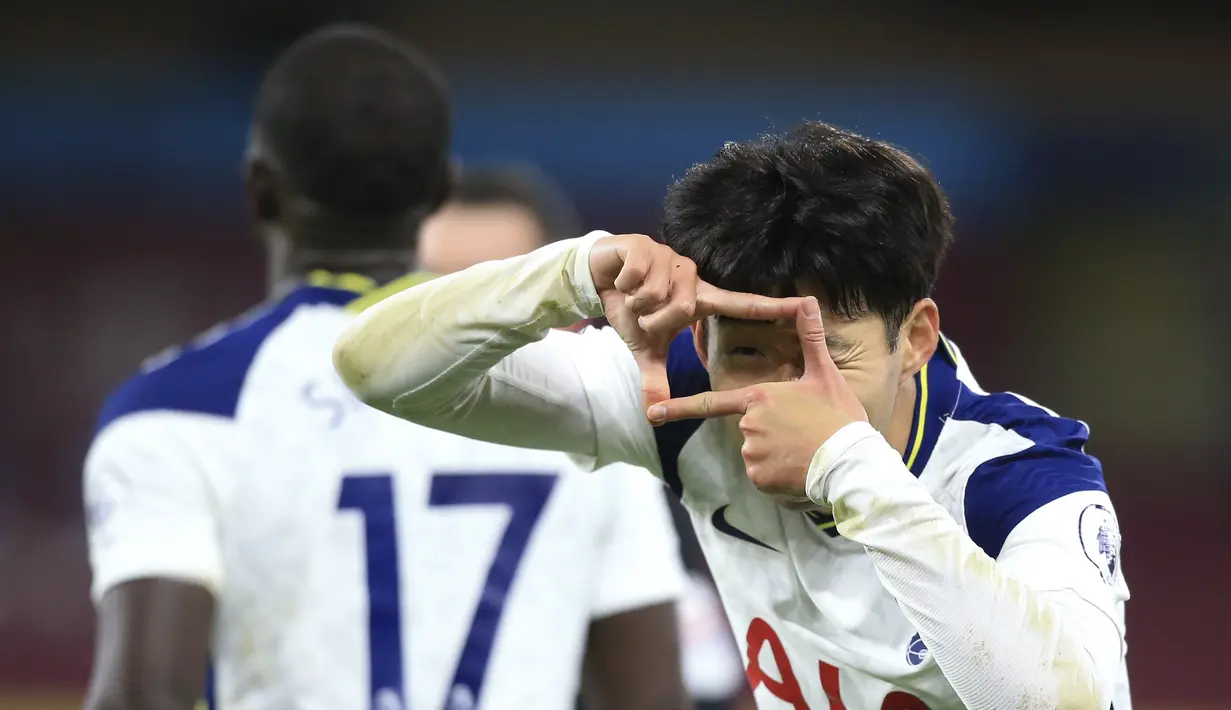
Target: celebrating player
x=243 y=501
x=884 y=533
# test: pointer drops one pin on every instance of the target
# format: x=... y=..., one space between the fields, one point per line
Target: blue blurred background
x=1084 y=148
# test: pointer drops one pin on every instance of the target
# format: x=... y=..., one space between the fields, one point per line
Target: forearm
x=633 y=661
x=152 y=646
x=430 y=354
x=999 y=643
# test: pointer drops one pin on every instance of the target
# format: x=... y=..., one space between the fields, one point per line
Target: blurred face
x=459 y=236
x=741 y=353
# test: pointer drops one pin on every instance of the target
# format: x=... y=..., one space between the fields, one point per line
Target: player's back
x=367 y=562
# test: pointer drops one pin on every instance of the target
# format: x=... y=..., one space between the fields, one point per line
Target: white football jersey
x=360 y=561
x=992 y=540
x=816 y=625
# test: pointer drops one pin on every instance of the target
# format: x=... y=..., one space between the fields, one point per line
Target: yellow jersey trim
x=380 y=293
x=921 y=417
x=367 y=291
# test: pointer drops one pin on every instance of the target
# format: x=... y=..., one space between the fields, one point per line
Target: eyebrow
x=836 y=343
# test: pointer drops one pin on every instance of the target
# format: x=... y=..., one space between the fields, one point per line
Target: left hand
x=784 y=423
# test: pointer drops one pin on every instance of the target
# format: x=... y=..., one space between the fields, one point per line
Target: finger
x=714 y=301
x=655 y=289
x=679 y=313
x=670 y=319
x=811 y=329
x=655 y=387
x=699 y=406
x=680 y=310
x=636 y=267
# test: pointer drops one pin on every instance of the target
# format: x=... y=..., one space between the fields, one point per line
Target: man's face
x=741 y=353
x=459 y=236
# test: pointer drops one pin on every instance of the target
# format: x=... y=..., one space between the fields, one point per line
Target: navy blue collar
x=936 y=393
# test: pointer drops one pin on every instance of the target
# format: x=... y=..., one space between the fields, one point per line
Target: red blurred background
x=1084 y=151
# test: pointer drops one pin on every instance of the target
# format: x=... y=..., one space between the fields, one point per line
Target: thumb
x=811 y=331
x=655 y=387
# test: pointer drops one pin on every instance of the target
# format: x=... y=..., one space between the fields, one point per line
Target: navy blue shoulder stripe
x=686 y=376
x=207 y=376
x=1003 y=491
x=1031 y=421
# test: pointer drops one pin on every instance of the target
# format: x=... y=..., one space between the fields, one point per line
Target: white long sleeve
x=474 y=353
x=1007 y=633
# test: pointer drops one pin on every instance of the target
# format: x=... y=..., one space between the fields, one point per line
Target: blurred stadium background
x=1085 y=151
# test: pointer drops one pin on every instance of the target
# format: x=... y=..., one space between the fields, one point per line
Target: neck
x=898 y=433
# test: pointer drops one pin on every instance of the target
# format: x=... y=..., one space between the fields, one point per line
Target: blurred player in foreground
x=242 y=500
x=507 y=211
x=972 y=559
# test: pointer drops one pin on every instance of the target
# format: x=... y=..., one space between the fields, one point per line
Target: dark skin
x=151 y=646
x=633 y=662
x=153 y=635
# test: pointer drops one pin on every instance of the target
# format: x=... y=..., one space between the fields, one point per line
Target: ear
x=699 y=331
x=261 y=186
x=919 y=337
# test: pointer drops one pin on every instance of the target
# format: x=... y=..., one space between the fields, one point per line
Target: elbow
x=146 y=699
x=1069 y=682
x=1077 y=686
x=357 y=367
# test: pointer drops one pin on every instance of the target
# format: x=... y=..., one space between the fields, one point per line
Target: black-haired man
x=885 y=534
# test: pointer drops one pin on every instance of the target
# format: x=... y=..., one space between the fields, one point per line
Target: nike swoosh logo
x=719 y=519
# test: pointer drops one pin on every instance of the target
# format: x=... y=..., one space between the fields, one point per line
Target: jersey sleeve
x=1030 y=628
x=474 y=353
x=152 y=483
x=1069 y=551
x=641 y=563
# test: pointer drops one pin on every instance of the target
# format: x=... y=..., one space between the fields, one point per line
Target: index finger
x=699 y=406
x=714 y=301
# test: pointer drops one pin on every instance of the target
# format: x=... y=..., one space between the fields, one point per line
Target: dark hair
x=358 y=122
x=525 y=187
x=857 y=219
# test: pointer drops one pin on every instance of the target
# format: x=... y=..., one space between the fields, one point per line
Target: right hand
x=650 y=294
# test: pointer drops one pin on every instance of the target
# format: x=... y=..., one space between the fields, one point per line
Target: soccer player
x=243 y=504
x=884 y=533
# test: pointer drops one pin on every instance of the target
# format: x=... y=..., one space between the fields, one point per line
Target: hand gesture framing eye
x=784 y=423
x=650 y=294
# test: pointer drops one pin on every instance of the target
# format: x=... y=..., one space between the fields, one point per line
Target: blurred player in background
x=495 y=212
x=502 y=211
x=884 y=533
x=242 y=502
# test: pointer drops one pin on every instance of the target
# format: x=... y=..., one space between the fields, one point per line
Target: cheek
x=875 y=388
x=723 y=376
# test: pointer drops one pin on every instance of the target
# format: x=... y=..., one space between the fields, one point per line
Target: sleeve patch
x=1100 y=540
